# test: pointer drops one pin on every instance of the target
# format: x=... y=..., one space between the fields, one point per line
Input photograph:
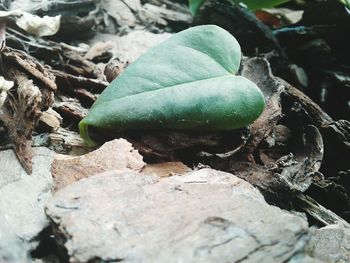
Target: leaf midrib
x=170 y=87
x=183 y=83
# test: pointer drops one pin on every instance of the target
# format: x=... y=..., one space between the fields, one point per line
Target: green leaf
x=346 y=3
x=185 y=83
x=195 y=5
x=259 y=4
x=251 y=4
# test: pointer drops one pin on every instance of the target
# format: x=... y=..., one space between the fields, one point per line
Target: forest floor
x=274 y=191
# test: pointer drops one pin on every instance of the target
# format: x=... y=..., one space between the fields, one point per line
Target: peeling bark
x=20 y=114
x=22 y=108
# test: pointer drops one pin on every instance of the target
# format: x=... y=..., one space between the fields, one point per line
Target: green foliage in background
x=195 y=5
x=251 y=4
x=185 y=83
x=346 y=3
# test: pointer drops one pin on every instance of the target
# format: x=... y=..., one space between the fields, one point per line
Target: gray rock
x=303 y=258
x=330 y=243
x=12 y=249
x=11 y=170
x=205 y=216
x=22 y=196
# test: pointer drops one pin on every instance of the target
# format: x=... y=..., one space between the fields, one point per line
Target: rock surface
x=304 y=258
x=166 y=169
x=330 y=243
x=11 y=247
x=205 y=216
x=23 y=196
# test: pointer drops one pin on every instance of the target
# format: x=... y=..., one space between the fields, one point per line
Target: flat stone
x=304 y=258
x=11 y=170
x=166 y=169
x=12 y=249
x=22 y=196
x=331 y=243
x=205 y=216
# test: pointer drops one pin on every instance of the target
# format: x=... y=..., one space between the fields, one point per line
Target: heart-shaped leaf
x=184 y=83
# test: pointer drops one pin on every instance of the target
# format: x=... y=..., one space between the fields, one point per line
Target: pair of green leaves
x=346 y=3
x=185 y=83
x=251 y=4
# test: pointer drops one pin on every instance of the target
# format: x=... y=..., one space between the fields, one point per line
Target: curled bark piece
x=114 y=68
x=320 y=213
x=308 y=155
x=316 y=115
x=336 y=134
x=69 y=82
x=258 y=71
x=22 y=108
x=31 y=66
x=291 y=173
x=20 y=113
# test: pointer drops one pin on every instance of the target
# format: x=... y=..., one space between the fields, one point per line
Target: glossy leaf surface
x=186 y=83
